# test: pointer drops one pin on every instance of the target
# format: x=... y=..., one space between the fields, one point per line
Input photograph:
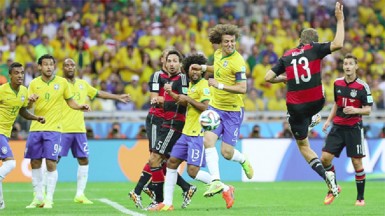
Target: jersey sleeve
x=154 y=82
x=279 y=68
x=240 y=70
x=205 y=92
x=67 y=93
x=91 y=91
x=25 y=104
x=322 y=49
x=367 y=98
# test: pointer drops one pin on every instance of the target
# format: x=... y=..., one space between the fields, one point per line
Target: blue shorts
x=230 y=125
x=190 y=149
x=43 y=144
x=77 y=142
x=5 y=149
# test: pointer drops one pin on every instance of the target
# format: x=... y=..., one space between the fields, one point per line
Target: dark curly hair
x=216 y=33
x=193 y=59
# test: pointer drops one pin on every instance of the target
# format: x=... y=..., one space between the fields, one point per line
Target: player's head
x=16 y=73
x=164 y=56
x=225 y=35
x=350 y=65
x=46 y=65
x=69 y=68
x=173 y=62
x=199 y=59
x=308 y=35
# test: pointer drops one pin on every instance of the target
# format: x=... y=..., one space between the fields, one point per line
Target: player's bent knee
x=193 y=171
x=155 y=160
x=172 y=163
x=83 y=161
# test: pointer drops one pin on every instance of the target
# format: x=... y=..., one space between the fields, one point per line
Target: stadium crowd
x=117 y=44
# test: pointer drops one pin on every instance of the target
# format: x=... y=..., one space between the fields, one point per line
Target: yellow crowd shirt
x=199 y=92
x=228 y=70
x=10 y=103
x=50 y=102
x=73 y=120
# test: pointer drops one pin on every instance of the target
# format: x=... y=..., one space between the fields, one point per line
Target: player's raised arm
x=338 y=41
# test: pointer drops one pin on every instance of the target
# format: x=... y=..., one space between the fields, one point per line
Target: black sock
x=182 y=183
x=144 y=178
x=331 y=168
x=360 y=183
x=158 y=189
x=316 y=165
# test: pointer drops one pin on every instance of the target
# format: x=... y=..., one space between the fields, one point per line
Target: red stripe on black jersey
x=156 y=84
x=353 y=94
x=173 y=111
x=302 y=66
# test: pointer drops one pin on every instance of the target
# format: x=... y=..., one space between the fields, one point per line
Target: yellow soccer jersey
x=199 y=92
x=50 y=103
x=227 y=70
x=73 y=120
x=10 y=104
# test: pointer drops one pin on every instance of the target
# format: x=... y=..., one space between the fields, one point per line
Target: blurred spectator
x=286 y=132
x=141 y=133
x=313 y=134
x=382 y=133
x=115 y=132
x=15 y=133
x=43 y=48
x=255 y=133
x=253 y=102
x=254 y=57
x=90 y=133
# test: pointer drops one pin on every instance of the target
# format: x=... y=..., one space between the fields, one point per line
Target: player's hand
x=325 y=126
x=41 y=119
x=339 y=11
x=350 y=110
x=124 y=98
x=182 y=99
x=213 y=82
x=33 y=98
x=85 y=107
x=167 y=87
x=158 y=101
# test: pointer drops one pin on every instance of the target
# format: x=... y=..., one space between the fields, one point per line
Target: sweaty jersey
x=228 y=70
x=50 y=103
x=156 y=84
x=303 y=70
x=199 y=92
x=73 y=120
x=356 y=94
x=10 y=103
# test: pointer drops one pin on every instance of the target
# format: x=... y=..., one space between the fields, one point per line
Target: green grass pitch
x=277 y=198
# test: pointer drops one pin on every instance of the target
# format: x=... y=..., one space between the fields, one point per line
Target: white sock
x=169 y=185
x=37 y=185
x=225 y=187
x=1 y=190
x=6 y=168
x=44 y=176
x=204 y=177
x=51 y=184
x=82 y=179
x=238 y=156
x=212 y=161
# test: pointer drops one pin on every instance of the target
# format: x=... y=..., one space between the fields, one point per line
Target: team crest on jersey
x=4 y=150
x=22 y=98
x=192 y=90
x=225 y=63
x=81 y=86
x=56 y=86
x=206 y=91
x=184 y=90
x=353 y=93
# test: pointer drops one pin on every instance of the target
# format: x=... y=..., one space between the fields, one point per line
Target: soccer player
x=353 y=99
x=304 y=96
x=172 y=126
x=154 y=122
x=13 y=101
x=227 y=88
x=47 y=93
x=74 y=130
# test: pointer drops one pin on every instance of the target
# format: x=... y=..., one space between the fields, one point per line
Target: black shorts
x=166 y=140
x=153 y=125
x=300 y=117
x=341 y=136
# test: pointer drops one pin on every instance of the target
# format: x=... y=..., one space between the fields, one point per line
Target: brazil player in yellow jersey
x=74 y=129
x=228 y=85
x=47 y=94
x=13 y=101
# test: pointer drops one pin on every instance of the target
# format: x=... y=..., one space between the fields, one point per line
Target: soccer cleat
x=161 y=207
x=315 y=120
x=82 y=199
x=2 y=204
x=35 y=204
x=228 y=196
x=149 y=192
x=153 y=205
x=214 y=187
x=136 y=198
x=329 y=197
x=330 y=181
x=248 y=169
x=360 y=203
x=48 y=204
x=187 y=195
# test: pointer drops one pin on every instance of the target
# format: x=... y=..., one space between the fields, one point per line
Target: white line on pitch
x=119 y=207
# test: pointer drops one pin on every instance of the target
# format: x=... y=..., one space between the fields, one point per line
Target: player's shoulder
x=23 y=89
x=363 y=84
